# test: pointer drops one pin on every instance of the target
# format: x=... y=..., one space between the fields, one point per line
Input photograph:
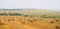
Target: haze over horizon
x=37 y=4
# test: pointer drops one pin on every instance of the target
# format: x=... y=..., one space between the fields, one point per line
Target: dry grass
x=19 y=22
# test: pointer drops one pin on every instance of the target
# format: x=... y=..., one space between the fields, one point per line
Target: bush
x=23 y=22
x=26 y=15
x=44 y=16
x=57 y=20
x=9 y=19
x=57 y=27
x=51 y=22
x=1 y=23
x=31 y=20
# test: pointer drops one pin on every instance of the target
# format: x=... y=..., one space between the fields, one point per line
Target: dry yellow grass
x=19 y=22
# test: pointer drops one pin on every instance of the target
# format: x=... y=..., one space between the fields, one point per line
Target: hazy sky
x=38 y=4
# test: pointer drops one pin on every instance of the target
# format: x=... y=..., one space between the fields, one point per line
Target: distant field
x=36 y=13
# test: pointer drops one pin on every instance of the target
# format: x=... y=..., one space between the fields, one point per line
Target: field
x=17 y=22
x=30 y=21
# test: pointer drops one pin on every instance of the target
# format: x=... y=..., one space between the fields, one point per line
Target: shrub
x=26 y=15
x=57 y=20
x=13 y=19
x=31 y=20
x=44 y=16
x=57 y=27
x=51 y=22
x=23 y=22
x=1 y=23
x=9 y=19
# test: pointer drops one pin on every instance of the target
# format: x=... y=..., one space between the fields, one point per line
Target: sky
x=37 y=4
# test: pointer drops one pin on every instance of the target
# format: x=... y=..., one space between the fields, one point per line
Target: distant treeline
x=10 y=14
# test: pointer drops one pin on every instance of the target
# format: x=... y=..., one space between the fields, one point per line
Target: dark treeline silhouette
x=10 y=14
